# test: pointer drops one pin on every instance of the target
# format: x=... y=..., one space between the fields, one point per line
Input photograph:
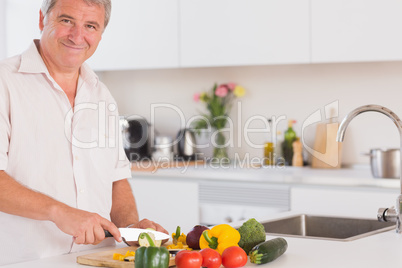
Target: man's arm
x=85 y=227
x=124 y=209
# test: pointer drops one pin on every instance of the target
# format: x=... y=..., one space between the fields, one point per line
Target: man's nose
x=77 y=34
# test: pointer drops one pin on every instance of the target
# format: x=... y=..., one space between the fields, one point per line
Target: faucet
x=384 y=214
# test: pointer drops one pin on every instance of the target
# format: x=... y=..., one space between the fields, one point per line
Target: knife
x=132 y=234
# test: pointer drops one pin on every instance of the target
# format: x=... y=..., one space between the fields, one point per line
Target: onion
x=193 y=237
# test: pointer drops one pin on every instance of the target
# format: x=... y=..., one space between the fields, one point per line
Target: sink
x=323 y=227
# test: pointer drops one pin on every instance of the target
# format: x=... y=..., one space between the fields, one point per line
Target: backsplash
x=292 y=91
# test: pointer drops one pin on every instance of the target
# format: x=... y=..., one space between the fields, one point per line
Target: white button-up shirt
x=72 y=156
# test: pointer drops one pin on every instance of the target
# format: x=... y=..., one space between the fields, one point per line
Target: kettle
x=186 y=145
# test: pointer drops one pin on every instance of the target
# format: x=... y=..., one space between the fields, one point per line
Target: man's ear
x=41 y=20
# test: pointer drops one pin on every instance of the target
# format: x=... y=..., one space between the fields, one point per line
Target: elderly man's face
x=71 y=33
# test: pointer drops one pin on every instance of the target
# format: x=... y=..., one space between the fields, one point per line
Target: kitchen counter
x=358 y=176
x=247 y=191
x=380 y=250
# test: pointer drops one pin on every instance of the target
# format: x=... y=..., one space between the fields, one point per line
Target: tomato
x=234 y=257
x=188 y=259
x=210 y=258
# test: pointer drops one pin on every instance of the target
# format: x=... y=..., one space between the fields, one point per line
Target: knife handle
x=108 y=234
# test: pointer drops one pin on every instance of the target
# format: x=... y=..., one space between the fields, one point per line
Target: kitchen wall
x=2 y=30
x=295 y=91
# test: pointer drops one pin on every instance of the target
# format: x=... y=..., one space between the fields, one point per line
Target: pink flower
x=231 y=86
x=196 y=97
x=221 y=91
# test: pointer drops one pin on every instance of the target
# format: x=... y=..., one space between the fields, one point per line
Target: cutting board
x=105 y=259
x=327 y=151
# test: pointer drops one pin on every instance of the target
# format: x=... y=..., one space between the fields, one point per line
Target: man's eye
x=92 y=27
x=66 y=21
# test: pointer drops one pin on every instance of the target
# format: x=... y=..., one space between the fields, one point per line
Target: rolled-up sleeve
x=5 y=127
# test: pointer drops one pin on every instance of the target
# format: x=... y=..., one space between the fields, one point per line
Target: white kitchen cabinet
x=167 y=202
x=242 y=32
x=356 y=30
x=348 y=202
x=140 y=35
x=205 y=33
x=226 y=202
x=173 y=202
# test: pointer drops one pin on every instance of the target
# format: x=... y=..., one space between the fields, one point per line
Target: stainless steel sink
x=322 y=227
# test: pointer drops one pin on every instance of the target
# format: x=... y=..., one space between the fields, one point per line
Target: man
x=63 y=180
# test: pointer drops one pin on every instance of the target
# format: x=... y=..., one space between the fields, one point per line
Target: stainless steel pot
x=385 y=163
x=163 y=148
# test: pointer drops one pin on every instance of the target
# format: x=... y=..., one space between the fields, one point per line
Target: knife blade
x=131 y=234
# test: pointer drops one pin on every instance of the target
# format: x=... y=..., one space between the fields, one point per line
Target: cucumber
x=268 y=251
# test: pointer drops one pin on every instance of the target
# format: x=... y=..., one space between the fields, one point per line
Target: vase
x=220 y=154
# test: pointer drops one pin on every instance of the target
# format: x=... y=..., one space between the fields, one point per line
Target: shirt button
x=82 y=191
x=76 y=157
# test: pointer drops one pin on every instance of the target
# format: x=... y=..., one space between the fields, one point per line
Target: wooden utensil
x=105 y=259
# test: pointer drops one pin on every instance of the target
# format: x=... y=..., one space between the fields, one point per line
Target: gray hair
x=47 y=6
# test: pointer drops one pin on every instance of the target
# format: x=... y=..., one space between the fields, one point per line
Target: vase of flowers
x=218 y=101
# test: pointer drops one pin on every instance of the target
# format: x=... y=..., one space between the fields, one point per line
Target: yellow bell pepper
x=220 y=237
x=118 y=256
x=179 y=245
x=121 y=257
x=177 y=237
x=129 y=253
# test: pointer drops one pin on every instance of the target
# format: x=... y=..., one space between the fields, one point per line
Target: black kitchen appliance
x=138 y=138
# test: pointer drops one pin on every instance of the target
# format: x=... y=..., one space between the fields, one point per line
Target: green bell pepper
x=151 y=257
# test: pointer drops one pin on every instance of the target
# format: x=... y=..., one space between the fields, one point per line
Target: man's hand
x=144 y=224
x=85 y=227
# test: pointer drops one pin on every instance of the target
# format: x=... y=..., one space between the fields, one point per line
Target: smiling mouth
x=74 y=47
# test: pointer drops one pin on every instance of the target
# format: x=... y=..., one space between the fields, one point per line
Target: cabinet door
x=22 y=24
x=227 y=202
x=167 y=202
x=356 y=30
x=140 y=35
x=243 y=32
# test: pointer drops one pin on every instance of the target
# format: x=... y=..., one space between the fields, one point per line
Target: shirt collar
x=32 y=62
